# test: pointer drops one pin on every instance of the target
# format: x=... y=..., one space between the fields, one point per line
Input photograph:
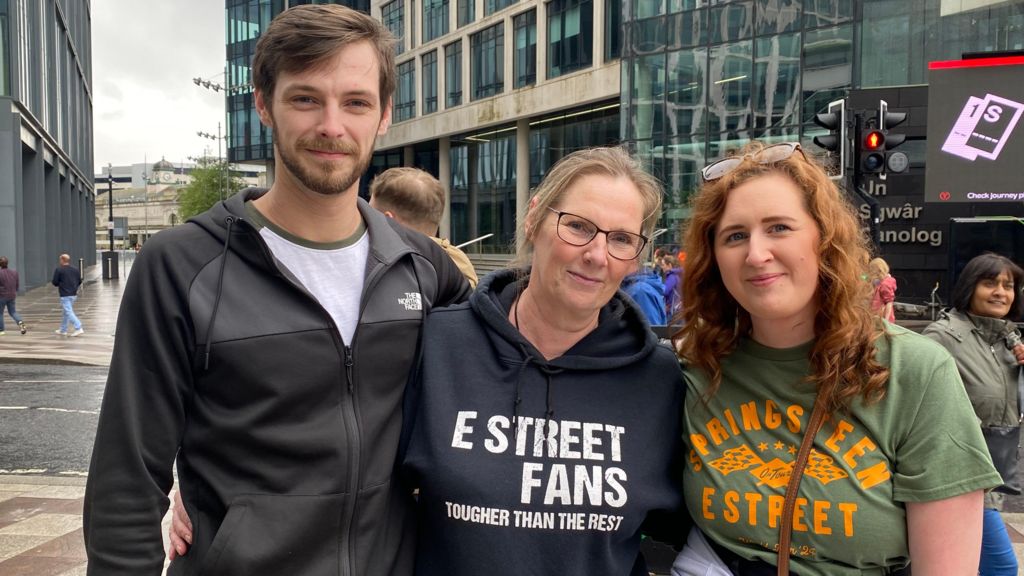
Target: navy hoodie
x=594 y=457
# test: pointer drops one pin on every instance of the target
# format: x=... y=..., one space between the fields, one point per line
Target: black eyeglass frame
x=793 y=147
x=597 y=230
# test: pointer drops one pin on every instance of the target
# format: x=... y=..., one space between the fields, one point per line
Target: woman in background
x=883 y=297
x=986 y=344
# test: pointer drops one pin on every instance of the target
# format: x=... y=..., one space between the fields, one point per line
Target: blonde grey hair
x=612 y=161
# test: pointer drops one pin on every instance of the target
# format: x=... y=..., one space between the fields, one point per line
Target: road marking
x=73 y=473
x=54 y=381
x=23 y=471
x=45 y=409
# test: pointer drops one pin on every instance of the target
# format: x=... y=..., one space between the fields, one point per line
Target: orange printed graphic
x=775 y=472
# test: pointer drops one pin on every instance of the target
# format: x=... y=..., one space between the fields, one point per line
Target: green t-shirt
x=921 y=442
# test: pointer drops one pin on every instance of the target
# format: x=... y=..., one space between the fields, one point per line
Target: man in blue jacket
x=67 y=279
x=264 y=346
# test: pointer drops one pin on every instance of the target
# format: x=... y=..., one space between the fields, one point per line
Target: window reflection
x=777 y=81
x=731 y=22
x=648 y=96
x=686 y=89
x=483 y=189
x=828 y=67
x=828 y=12
x=777 y=16
x=730 y=71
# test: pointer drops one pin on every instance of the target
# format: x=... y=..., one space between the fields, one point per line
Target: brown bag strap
x=786 y=528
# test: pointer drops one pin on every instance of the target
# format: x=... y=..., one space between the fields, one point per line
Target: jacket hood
x=650 y=278
x=621 y=337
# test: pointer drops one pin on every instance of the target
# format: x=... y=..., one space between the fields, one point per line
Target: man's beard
x=323 y=177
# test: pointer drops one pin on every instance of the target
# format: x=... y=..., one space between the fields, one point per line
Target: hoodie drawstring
x=230 y=220
x=549 y=407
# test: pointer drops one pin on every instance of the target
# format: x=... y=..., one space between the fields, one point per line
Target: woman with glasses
x=980 y=332
x=780 y=346
x=544 y=422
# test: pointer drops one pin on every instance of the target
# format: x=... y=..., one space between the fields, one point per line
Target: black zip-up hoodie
x=285 y=436
x=498 y=499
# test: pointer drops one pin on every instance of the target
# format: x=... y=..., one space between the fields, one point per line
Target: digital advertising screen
x=975 y=131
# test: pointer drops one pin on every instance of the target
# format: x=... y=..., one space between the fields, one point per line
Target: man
x=416 y=200
x=266 y=344
x=67 y=279
x=8 y=292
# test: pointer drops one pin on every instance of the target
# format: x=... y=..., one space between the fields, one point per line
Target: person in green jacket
x=985 y=342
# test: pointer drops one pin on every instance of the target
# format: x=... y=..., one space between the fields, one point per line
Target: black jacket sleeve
x=141 y=419
x=452 y=286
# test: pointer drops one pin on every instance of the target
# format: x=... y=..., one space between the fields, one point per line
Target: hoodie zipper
x=355 y=445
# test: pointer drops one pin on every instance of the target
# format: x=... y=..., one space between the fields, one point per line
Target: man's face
x=326 y=120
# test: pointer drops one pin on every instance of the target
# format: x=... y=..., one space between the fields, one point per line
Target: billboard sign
x=975 y=130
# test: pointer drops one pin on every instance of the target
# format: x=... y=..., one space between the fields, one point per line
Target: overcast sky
x=145 y=55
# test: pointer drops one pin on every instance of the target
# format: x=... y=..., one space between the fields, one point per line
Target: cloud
x=145 y=55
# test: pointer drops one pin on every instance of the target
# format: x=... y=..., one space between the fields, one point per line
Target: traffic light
x=894 y=161
x=835 y=141
x=872 y=151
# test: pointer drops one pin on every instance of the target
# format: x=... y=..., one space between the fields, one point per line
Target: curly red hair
x=842 y=360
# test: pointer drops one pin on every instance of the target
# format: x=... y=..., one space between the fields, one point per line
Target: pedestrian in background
x=980 y=334
x=415 y=199
x=883 y=297
x=647 y=289
x=781 y=352
x=673 y=292
x=8 y=292
x=67 y=279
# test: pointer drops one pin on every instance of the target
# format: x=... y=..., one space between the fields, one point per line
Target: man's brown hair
x=414 y=196
x=306 y=37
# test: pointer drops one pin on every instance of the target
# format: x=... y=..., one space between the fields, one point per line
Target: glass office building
x=702 y=77
x=46 y=135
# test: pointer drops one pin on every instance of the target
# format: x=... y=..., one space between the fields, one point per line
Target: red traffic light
x=874 y=140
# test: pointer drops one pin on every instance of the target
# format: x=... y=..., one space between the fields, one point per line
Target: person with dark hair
x=985 y=342
x=823 y=441
x=416 y=199
x=67 y=279
x=672 y=269
x=8 y=293
x=264 y=346
x=545 y=429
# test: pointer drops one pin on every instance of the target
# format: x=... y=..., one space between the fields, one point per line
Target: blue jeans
x=69 y=314
x=997 y=557
x=9 y=305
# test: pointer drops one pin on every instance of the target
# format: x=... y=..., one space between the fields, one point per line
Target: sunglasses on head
x=767 y=155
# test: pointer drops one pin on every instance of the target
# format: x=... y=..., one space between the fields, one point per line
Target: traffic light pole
x=857 y=177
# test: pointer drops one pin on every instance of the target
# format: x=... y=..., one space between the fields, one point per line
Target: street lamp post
x=222 y=160
x=110 y=204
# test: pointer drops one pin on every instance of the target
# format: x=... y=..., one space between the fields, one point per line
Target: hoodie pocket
x=275 y=535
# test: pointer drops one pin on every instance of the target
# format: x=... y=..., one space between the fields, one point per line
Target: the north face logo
x=412 y=301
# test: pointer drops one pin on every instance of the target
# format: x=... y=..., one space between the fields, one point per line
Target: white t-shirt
x=332 y=272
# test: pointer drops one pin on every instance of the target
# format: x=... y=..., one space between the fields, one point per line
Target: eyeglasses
x=579 y=231
x=768 y=155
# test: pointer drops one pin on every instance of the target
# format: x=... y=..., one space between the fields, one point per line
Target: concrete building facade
x=46 y=135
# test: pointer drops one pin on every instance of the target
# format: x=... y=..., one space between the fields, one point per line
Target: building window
x=492 y=6
x=4 y=43
x=467 y=12
x=483 y=189
x=453 y=74
x=435 y=19
x=405 y=99
x=428 y=64
x=487 y=72
x=570 y=36
x=525 y=57
x=612 y=29
x=393 y=16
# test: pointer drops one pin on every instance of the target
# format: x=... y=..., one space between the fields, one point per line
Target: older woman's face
x=582 y=279
x=766 y=247
x=993 y=297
